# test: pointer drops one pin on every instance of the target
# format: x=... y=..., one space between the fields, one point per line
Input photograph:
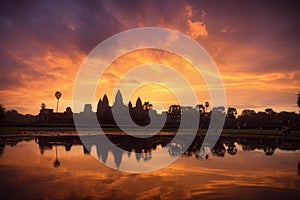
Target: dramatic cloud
x=196 y=29
x=254 y=44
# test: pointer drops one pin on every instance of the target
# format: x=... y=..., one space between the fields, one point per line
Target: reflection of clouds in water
x=140 y=151
x=24 y=169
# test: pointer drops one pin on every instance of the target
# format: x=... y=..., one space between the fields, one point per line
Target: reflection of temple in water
x=143 y=148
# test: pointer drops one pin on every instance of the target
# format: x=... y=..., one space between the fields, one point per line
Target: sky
x=255 y=45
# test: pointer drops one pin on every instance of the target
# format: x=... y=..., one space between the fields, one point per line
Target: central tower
x=118 y=101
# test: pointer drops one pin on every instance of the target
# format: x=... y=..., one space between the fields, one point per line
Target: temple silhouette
x=117 y=114
x=139 y=113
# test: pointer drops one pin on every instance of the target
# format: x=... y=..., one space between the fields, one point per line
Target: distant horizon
x=159 y=111
x=52 y=104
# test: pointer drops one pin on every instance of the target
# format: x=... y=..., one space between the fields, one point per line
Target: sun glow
x=155 y=93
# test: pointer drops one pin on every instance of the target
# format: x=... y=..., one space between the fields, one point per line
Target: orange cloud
x=197 y=29
x=150 y=92
x=45 y=73
x=188 y=11
x=258 y=59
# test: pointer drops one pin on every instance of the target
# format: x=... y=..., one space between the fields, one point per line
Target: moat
x=58 y=166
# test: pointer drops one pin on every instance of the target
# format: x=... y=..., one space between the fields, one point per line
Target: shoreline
x=4 y=130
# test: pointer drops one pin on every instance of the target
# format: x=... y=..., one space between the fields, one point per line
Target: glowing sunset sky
x=255 y=45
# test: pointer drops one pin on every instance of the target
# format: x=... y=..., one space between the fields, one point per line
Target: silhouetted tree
x=230 y=121
x=12 y=112
x=68 y=110
x=200 y=108
x=43 y=106
x=2 y=111
x=57 y=95
x=269 y=111
x=206 y=105
x=232 y=150
x=147 y=106
x=269 y=151
x=219 y=150
x=231 y=113
x=219 y=113
x=248 y=119
x=56 y=163
x=248 y=112
x=298 y=100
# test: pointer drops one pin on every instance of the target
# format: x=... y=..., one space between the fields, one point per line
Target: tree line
x=143 y=113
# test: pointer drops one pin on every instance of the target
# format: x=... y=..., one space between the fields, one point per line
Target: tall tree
x=57 y=95
x=43 y=106
x=200 y=108
x=2 y=111
x=298 y=100
x=231 y=113
x=56 y=163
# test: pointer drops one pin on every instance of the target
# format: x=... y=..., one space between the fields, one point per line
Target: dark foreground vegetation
x=142 y=114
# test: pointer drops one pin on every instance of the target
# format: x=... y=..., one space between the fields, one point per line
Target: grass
x=260 y=132
x=34 y=128
x=225 y=132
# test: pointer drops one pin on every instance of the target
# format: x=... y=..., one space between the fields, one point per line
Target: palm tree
x=200 y=108
x=57 y=95
x=56 y=163
x=43 y=106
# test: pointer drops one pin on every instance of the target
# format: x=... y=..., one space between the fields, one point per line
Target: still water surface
x=43 y=166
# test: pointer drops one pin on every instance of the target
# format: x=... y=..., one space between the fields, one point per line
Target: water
x=237 y=168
